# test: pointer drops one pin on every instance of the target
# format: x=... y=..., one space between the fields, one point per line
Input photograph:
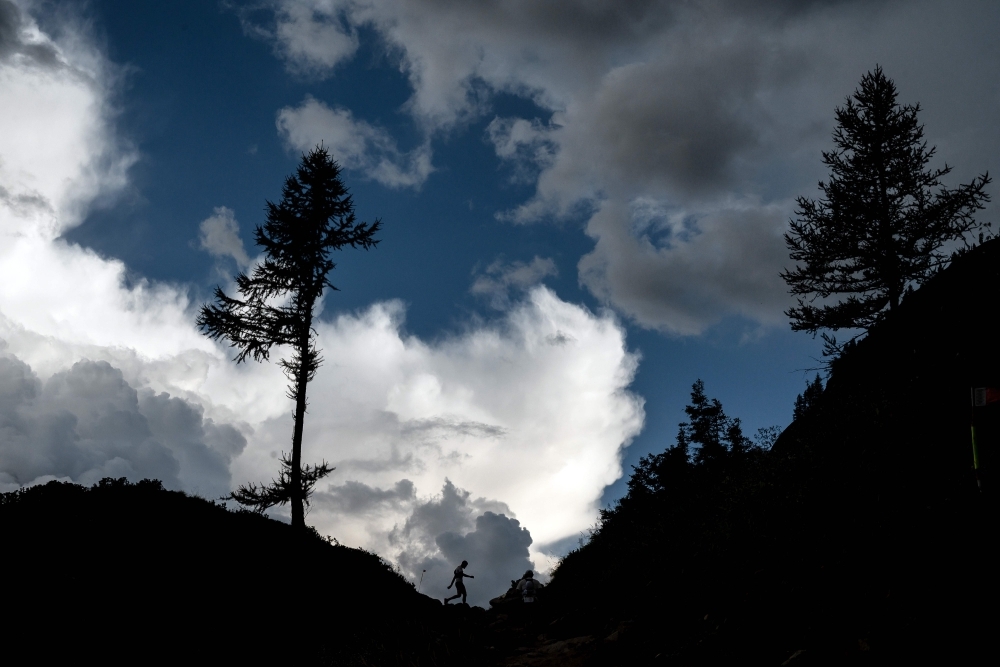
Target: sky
x=582 y=201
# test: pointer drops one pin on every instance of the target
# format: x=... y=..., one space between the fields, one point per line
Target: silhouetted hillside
x=860 y=537
x=131 y=573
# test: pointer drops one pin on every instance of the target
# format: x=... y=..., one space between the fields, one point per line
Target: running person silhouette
x=459 y=584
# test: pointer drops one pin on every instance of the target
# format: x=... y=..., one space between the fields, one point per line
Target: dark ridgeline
x=883 y=221
x=314 y=217
x=132 y=574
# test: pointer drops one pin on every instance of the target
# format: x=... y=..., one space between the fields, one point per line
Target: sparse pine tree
x=314 y=217
x=883 y=220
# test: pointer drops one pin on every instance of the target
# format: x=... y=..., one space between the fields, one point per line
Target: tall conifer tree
x=883 y=220
x=314 y=217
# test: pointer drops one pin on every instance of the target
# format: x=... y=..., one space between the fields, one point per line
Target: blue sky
x=624 y=169
x=207 y=136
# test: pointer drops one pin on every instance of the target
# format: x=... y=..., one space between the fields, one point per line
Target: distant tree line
x=710 y=441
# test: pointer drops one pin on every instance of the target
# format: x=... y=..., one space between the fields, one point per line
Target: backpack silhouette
x=529 y=590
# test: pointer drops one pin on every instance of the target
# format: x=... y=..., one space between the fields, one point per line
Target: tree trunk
x=887 y=259
x=298 y=504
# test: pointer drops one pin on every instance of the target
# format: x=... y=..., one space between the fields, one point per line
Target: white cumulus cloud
x=219 y=234
x=100 y=375
x=499 y=278
x=354 y=143
x=314 y=38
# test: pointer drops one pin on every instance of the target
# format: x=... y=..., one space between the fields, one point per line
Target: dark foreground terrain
x=125 y=573
x=860 y=537
x=129 y=572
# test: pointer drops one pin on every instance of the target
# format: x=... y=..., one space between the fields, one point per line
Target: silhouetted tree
x=665 y=470
x=714 y=436
x=681 y=451
x=314 y=217
x=710 y=429
x=807 y=400
x=766 y=436
x=883 y=218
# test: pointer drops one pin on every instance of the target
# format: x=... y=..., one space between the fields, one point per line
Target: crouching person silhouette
x=459 y=584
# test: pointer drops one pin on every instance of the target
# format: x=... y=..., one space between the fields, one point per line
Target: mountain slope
x=860 y=537
x=131 y=572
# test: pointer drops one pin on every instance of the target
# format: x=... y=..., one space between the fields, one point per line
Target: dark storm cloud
x=439 y=534
x=12 y=40
x=682 y=284
x=589 y=27
x=725 y=124
x=687 y=130
x=717 y=109
x=10 y=24
x=578 y=22
x=203 y=448
x=449 y=513
x=658 y=94
x=497 y=551
x=593 y=21
x=87 y=422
